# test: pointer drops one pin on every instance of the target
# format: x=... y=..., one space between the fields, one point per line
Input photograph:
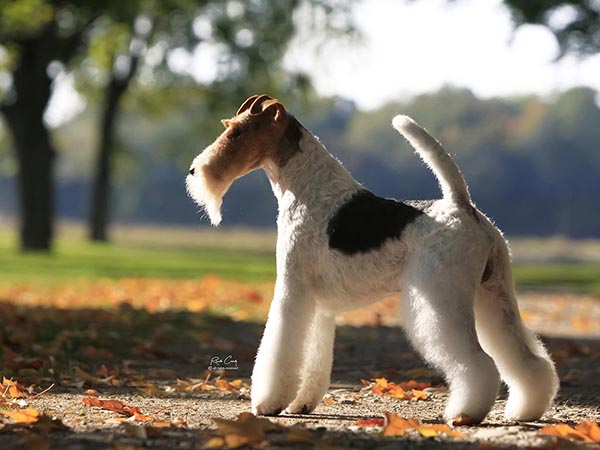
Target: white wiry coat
x=451 y=266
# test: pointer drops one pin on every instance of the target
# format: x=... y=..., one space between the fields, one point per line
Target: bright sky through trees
x=409 y=48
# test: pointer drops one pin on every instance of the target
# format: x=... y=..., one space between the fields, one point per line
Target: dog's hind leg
x=316 y=369
x=439 y=320
x=276 y=373
x=523 y=361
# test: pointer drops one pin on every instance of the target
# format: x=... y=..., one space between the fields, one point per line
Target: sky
x=411 y=47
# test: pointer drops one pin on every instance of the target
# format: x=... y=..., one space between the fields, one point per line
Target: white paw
x=314 y=387
x=300 y=407
x=270 y=398
x=267 y=409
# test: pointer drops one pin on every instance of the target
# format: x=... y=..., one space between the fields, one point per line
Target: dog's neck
x=311 y=178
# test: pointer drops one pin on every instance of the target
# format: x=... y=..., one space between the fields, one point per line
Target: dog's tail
x=452 y=183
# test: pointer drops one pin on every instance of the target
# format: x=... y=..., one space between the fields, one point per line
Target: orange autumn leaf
x=412 y=384
x=246 y=429
x=224 y=385
x=432 y=430
x=148 y=389
x=397 y=426
x=590 y=429
x=409 y=390
x=374 y=422
x=137 y=415
x=585 y=431
x=26 y=416
x=119 y=407
x=418 y=395
x=12 y=388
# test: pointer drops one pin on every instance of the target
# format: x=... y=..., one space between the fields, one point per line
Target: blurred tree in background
x=576 y=24
x=107 y=44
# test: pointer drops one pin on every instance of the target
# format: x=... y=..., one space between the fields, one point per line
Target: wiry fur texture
x=451 y=266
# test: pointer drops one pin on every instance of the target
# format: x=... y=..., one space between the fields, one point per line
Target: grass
x=580 y=277
x=237 y=255
x=75 y=258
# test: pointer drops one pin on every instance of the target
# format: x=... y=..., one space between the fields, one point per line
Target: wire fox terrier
x=340 y=247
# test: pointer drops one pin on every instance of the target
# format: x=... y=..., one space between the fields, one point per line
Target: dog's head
x=261 y=131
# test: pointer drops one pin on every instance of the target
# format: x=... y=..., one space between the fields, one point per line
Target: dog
x=340 y=247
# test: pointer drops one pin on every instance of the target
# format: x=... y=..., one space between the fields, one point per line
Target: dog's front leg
x=318 y=359
x=276 y=374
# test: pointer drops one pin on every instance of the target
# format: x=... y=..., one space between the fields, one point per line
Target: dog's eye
x=235 y=132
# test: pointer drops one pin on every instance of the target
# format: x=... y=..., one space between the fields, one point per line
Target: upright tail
x=437 y=159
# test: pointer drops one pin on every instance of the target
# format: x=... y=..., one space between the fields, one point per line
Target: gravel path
x=361 y=352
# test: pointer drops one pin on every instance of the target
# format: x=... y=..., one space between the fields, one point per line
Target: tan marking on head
x=261 y=130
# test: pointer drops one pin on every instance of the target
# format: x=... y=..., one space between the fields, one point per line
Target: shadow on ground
x=41 y=346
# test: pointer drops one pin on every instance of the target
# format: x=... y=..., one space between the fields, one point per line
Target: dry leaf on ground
x=374 y=422
x=397 y=426
x=119 y=407
x=585 y=431
x=26 y=416
x=409 y=390
x=247 y=429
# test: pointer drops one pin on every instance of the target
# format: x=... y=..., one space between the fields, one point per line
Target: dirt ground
x=181 y=349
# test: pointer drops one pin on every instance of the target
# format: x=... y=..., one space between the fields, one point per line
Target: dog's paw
x=266 y=409
x=301 y=408
x=464 y=420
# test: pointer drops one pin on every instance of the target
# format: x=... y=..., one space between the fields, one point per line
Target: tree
x=40 y=36
x=575 y=23
x=33 y=38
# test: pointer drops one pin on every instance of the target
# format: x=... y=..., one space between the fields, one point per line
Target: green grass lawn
x=250 y=259
x=75 y=258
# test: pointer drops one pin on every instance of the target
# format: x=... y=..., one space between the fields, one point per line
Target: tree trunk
x=34 y=151
x=100 y=203
x=102 y=176
x=36 y=162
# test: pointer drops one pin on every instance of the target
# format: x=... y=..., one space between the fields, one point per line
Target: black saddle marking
x=366 y=221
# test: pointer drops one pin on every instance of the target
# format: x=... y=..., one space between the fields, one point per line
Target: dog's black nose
x=192 y=171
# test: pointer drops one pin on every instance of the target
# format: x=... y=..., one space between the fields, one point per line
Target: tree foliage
x=574 y=23
x=107 y=43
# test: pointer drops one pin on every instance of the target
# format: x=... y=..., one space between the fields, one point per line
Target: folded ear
x=246 y=105
x=274 y=110
x=257 y=105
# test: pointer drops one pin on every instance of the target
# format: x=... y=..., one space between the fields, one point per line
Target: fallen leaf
x=409 y=390
x=590 y=429
x=224 y=385
x=119 y=407
x=150 y=389
x=12 y=388
x=26 y=416
x=214 y=442
x=394 y=425
x=397 y=426
x=431 y=430
x=374 y=422
x=585 y=431
x=247 y=429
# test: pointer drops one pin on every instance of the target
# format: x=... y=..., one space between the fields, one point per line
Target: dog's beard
x=207 y=196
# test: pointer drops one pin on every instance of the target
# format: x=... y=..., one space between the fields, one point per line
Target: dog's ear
x=274 y=110
x=257 y=105
x=246 y=105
